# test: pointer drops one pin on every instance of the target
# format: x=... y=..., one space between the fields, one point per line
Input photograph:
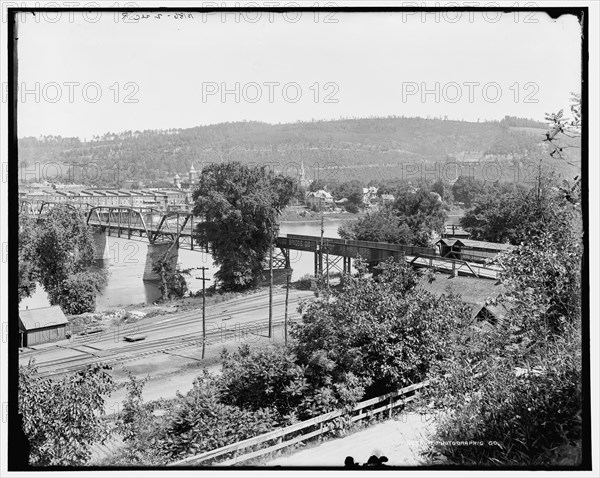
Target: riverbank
x=97 y=322
x=301 y=214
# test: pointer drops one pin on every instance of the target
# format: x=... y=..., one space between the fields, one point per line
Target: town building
x=320 y=199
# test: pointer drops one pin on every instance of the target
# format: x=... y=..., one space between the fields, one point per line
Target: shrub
x=264 y=377
x=201 y=422
x=62 y=418
x=529 y=416
x=381 y=334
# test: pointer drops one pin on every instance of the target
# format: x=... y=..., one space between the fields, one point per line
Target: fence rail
x=275 y=440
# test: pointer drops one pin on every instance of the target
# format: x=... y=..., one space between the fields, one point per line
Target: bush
x=519 y=382
x=304 y=282
x=532 y=414
x=265 y=377
x=200 y=422
x=382 y=334
x=62 y=418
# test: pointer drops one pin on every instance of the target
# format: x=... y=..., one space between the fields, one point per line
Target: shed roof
x=494 y=246
x=32 y=319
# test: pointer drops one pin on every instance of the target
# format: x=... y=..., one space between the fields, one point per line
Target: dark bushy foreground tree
x=517 y=386
x=386 y=332
x=62 y=418
x=200 y=421
x=59 y=253
x=241 y=205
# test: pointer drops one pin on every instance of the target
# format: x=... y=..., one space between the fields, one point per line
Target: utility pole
x=287 y=296
x=321 y=251
x=203 y=269
x=271 y=284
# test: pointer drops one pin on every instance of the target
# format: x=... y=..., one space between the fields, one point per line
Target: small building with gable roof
x=43 y=325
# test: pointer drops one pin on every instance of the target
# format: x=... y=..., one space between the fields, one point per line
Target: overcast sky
x=91 y=75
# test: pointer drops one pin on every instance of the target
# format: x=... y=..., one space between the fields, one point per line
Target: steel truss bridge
x=330 y=254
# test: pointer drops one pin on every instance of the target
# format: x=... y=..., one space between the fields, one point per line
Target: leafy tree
x=519 y=382
x=382 y=334
x=58 y=252
x=62 y=418
x=352 y=190
x=423 y=212
x=444 y=189
x=379 y=226
x=77 y=294
x=352 y=208
x=172 y=283
x=513 y=215
x=139 y=429
x=27 y=256
x=467 y=189
x=317 y=185
x=240 y=205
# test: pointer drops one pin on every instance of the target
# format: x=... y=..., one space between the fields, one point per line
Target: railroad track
x=137 y=350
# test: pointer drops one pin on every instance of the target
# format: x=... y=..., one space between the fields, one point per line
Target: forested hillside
x=366 y=149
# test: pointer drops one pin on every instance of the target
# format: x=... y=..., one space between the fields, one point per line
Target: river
x=127 y=258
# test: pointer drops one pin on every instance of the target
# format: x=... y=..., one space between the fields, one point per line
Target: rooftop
x=39 y=318
x=494 y=246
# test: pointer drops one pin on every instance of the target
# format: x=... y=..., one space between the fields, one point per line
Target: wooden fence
x=314 y=427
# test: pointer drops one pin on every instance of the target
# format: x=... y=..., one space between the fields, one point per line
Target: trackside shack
x=40 y=326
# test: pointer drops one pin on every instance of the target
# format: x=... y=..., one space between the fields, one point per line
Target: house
x=40 y=326
x=320 y=199
x=369 y=194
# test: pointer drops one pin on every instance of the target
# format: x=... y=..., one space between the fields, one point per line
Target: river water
x=127 y=258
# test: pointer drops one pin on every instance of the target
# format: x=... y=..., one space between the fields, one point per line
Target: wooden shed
x=40 y=326
x=469 y=250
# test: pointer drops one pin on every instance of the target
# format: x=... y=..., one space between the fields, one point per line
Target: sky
x=85 y=75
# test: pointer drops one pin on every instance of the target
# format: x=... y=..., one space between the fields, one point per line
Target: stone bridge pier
x=99 y=245
x=156 y=253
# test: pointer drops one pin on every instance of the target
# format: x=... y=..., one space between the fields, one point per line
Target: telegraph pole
x=203 y=269
x=287 y=296
x=321 y=251
x=271 y=283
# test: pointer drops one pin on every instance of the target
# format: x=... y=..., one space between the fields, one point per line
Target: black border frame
x=582 y=14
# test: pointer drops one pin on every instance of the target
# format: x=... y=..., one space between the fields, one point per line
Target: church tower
x=192 y=175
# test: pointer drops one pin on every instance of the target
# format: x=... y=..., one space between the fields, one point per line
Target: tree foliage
x=240 y=205
x=385 y=332
x=379 y=226
x=172 y=282
x=263 y=378
x=467 y=189
x=62 y=418
x=414 y=218
x=423 y=212
x=200 y=421
x=518 y=383
x=27 y=257
x=58 y=251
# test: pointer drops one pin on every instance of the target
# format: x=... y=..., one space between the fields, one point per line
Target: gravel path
x=400 y=439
